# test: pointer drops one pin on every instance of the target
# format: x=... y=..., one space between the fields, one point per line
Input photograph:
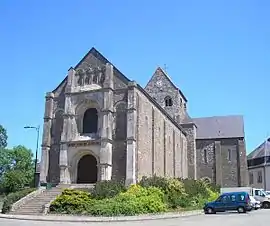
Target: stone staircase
x=35 y=206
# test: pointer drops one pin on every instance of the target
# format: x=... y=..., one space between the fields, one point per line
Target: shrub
x=14 y=197
x=214 y=187
x=136 y=200
x=196 y=187
x=71 y=202
x=107 y=189
x=176 y=194
x=154 y=181
x=213 y=195
x=174 y=190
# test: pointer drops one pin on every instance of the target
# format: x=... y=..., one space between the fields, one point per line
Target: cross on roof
x=165 y=67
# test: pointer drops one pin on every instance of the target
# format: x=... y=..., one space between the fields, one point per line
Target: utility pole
x=37 y=130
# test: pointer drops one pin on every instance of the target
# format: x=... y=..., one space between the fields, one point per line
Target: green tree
x=3 y=137
x=17 y=168
x=4 y=161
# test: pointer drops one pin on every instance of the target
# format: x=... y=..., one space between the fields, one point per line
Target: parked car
x=255 y=203
x=258 y=193
x=239 y=201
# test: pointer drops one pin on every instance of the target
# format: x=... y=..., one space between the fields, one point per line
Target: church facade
x=99 y=125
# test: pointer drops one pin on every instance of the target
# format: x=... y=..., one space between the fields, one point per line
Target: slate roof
x=261 y=151
x=216 y=127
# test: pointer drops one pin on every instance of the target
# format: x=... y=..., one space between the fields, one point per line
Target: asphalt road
x=258 y=218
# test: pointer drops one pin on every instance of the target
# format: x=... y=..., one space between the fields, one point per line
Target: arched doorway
x=90 y=121
x=87 y=170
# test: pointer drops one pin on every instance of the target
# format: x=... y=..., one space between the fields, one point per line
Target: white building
x=259 y=166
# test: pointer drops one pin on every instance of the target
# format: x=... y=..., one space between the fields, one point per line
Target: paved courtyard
x=258 y=218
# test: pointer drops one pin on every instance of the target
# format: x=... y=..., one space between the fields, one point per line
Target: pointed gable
x=95 y=59
x=262 y=151
x=161 y=79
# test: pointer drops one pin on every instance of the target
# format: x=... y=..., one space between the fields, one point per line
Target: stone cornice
x=131 y=139
x=47 y=118
x=102 y=90
x=130 y=110
x=67 y=115
x=106 y=140
x=106 y=111
x=105 y=164
x=83 y=143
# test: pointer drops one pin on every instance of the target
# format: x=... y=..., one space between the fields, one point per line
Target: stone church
x=99 y=125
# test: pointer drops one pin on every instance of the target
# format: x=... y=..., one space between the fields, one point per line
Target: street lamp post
x=37 y=129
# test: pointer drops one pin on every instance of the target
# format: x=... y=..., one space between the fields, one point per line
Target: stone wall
x=222 y=162
x=190 y=130
x=119 y=143
x=244 y=180
x=230 y=167
x=158 y=141
x=205 y=164
x=159 y=87
x=55 y=133
x=254 y=180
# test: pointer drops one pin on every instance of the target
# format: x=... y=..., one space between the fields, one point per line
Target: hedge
x=11 y=198
x=151 y=195
x=136 y=200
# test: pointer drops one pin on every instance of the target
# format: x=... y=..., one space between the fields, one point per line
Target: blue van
x=239 y=201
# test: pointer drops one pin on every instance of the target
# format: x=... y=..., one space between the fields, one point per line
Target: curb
x=64 y=218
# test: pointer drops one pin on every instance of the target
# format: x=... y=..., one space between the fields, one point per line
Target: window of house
x=259 y=178
x=251 y=178
x=205 y=156
x=229 y=155
x=168 y=101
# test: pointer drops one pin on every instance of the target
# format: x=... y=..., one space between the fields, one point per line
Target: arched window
x=229 y=155
x=90 y=121
x=87 y=80
x=121 y=122
x=95 y=79
x=205 y=159
x=168 y=101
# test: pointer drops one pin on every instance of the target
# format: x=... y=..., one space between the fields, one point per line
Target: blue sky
x=217 y=53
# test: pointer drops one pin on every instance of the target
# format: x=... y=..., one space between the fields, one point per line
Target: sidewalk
x=68 y=218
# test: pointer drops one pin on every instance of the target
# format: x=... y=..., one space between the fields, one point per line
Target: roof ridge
x=261 y=145
x=218 y=116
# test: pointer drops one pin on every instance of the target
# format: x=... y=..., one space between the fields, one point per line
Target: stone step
x=27 y=213
x=35 y=205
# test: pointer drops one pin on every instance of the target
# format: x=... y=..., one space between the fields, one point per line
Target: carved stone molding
x=83 y=143
x=91 y=75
